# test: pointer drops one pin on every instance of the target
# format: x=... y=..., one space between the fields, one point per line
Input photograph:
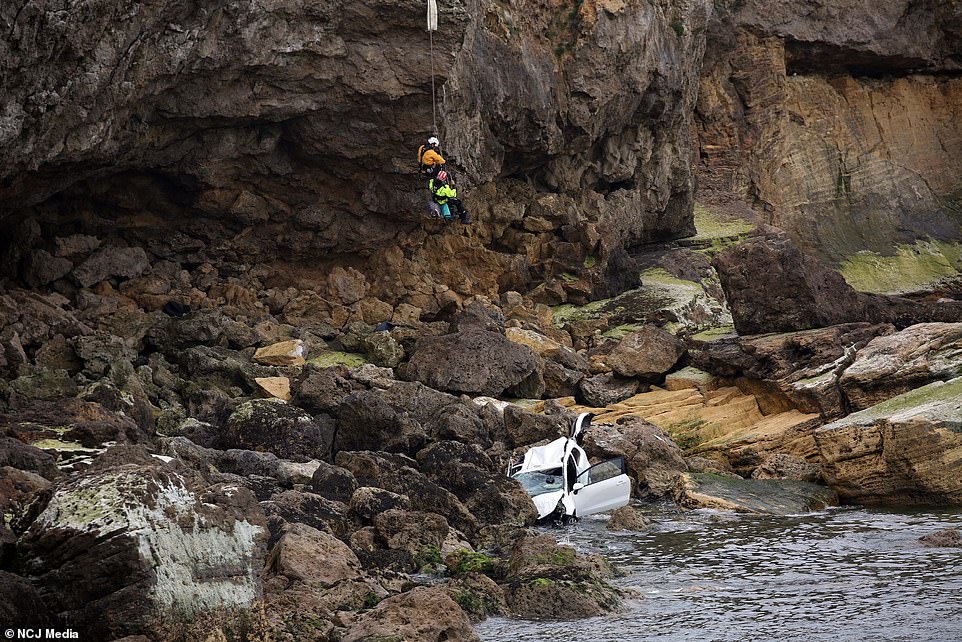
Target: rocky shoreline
x=237 y=473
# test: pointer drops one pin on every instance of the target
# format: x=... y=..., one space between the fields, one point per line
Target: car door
x=605 y=487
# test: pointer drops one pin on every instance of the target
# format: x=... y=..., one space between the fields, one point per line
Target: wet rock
x=902 y=451
x=648 y=352
x=124 y=262
x=946 y=538
x=547 y=580
x=473 y=362
x=478 y=595
x=333 y=482
x=420 y=615
x=627 y=518
x=653 y=460
x=606 y=390
x=895 y=364
x=117 y=550
x=285 y=353
x=767 y=497
x=280 y=428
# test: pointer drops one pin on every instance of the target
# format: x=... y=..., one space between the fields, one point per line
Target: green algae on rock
x=911 y=268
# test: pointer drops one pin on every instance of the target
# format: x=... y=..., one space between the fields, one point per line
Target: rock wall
x=276 y=140
x=839 y=121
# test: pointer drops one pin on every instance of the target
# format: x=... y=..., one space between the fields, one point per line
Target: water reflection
x=842 y=574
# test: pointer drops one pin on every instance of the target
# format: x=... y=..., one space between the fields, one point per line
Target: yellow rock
x=285 y=353
x=279 y=387
x=539 y=344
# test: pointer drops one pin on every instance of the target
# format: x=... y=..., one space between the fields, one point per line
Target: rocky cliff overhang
x=275 y=132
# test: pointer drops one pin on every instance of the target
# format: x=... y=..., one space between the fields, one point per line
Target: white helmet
x=434 y=141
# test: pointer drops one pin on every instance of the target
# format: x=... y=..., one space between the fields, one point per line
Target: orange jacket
x=430 y=157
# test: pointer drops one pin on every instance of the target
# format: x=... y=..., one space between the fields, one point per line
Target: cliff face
x=840 y=121
x=256 y=136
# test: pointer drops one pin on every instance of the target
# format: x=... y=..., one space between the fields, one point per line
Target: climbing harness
x=432 y=27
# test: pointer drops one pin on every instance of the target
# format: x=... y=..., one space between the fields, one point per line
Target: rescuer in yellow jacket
x=430 y=161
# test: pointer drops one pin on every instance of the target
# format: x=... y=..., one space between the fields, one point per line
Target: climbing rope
x=432 y=27
x=434 y=100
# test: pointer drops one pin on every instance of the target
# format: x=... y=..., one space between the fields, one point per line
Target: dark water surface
x=844 y=574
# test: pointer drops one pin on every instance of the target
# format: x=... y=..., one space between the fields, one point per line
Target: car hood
x=546 y=502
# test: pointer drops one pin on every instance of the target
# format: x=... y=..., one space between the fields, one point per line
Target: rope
x=434 y=100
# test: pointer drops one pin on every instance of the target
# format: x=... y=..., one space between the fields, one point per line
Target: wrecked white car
x=564 y=485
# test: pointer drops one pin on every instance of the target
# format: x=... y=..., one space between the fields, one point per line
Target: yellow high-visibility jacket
x=430 y=157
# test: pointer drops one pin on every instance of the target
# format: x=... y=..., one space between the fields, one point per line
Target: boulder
x=945 y=538
x=766 y=497
x=106 y=262
x=653 y=460
x=368 y=421
x=473 y=362
x=648 y=352
x=308 y=555
x=606 y=390
x=891 y=365
x=297 y=507
x=627 y=518
x=771 y=286
x=40 y=268
x=468 y=472
x=18 y=488
x=478 y=595
x=416 y=533
x=368 y=502
x=525 y=428
x=118 y=549
x=285 y=353
x=420 y=615
x=334 y=483
x=276 y=387
x=400 y=475
x=907 y=450
x=383 y=350
x=321 y=389
x=280 y=428
x=547 y=580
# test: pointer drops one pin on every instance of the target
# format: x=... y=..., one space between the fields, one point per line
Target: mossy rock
x=912 y=268
x=335 y=358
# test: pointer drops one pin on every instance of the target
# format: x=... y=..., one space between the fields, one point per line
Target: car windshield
x=538 y=483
